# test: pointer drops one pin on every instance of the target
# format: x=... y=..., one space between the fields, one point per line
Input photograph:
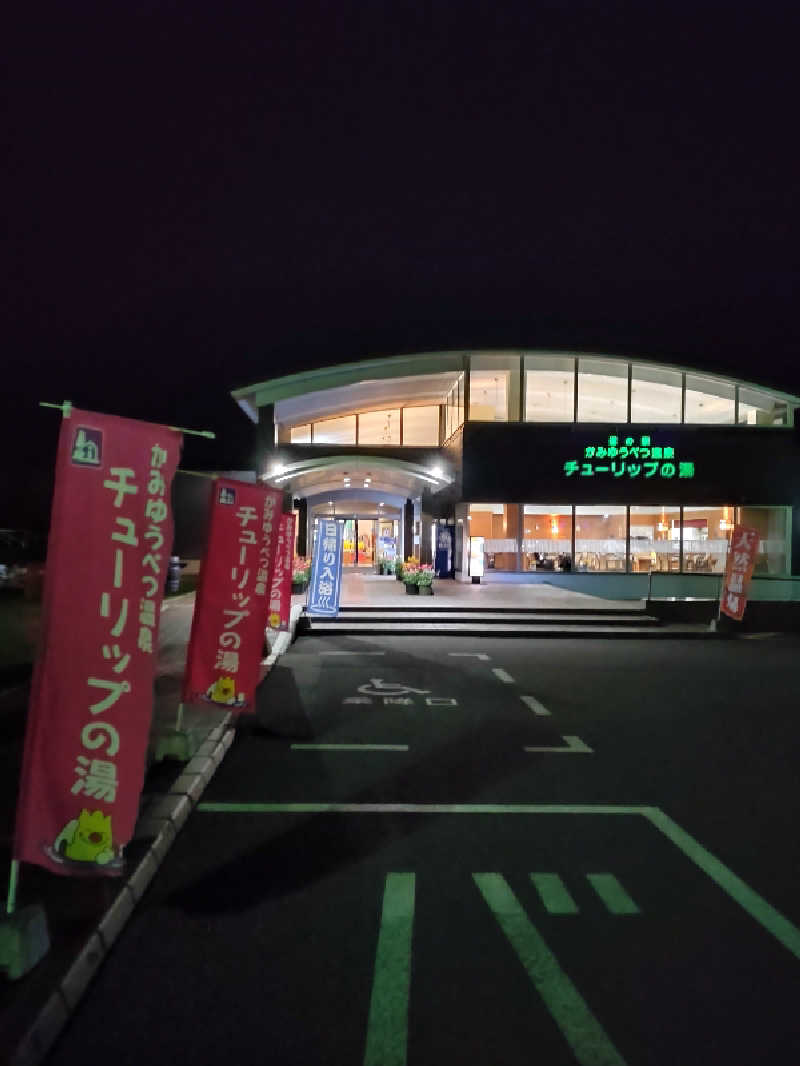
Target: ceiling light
x=437 y=472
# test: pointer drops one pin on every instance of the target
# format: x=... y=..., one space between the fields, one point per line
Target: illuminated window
x=655 y=394
x=758 y=408
x=494 y=388
x=547 y=536
x=706 y=536
x=300 y=434
x=655 y=538
x=336 y=430
x=773 y=524
x=549 y=389
x=498 y=523
x=379 y=427
x=709 y=400
x=602 y=391
x=600 y=538
x=420 y=426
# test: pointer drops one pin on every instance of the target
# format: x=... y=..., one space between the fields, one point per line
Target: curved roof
x=415 y=379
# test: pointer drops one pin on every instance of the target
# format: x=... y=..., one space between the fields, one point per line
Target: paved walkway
x=361 y=589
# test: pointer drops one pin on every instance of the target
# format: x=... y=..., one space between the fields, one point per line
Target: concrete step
x=423 y=603
x=478 y=629
x=493 y=618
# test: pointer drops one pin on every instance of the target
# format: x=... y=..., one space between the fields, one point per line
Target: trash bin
x=174 y=574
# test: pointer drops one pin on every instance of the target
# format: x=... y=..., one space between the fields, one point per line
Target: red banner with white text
x=280 y=596
x=230 y=614
x=741 y=560
x=91 y=699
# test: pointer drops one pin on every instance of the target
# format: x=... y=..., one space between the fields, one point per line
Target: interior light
x=437 y=472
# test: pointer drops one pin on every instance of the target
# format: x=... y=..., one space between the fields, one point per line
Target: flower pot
x=399 y=576
x=299 y=587
x=425 y=590
x=412 y=590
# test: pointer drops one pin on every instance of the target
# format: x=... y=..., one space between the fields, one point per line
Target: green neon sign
x=630 y=459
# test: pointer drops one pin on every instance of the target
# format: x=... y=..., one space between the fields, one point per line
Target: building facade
x=613 y=475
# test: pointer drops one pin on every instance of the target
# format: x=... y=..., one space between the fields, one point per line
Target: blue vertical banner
x=326 y=569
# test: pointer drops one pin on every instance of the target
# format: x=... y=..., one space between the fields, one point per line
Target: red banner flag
x=230 y=614
x=280 y=596
x=741 y=560
x=91 y=698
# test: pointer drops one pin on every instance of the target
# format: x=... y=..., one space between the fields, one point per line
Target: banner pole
x=209 y=433
x=179 y=718
x=13 y=878
x=65 y=408
x=196 y=473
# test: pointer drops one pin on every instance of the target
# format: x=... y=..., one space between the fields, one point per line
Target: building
x=613 y=475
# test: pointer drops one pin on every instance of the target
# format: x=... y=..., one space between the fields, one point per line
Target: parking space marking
x=767 y=916
x=503 y=675
x=534 y=705
x=471 y=654
x=574 y=746
x=352 y=653
x=387 y=1027
x=582 y=1031
x=612 y=894
x=554 y=894
x=349 y=747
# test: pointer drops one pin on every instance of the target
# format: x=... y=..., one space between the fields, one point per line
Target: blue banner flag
x=326 y=569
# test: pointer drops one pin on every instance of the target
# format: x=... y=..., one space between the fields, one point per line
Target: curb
x=160 y=821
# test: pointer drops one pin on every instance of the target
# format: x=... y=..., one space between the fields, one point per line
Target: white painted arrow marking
x=471 y=654
x=574 y=746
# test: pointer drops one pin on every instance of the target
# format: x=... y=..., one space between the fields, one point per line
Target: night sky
x=200 y=196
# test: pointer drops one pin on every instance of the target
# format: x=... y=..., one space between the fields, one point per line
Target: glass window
x=454 y=407
x=709 y=400
x=772 y=524
x=379 y=427
x=600 y=538
x=420 y=426
x=494 y=388
x=336 y=430
x=300 y=434
x=758 y=408
x=706 y=535
x=498 y=523
x=549 y=388
x=547 y=536
x=602 y=391
x=655 y=538
x=655 y=394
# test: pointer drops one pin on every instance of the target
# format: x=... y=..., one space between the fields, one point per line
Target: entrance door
x=349 y=543
x=365 y=543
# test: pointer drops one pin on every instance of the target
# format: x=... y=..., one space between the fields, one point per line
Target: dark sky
x=203 y=195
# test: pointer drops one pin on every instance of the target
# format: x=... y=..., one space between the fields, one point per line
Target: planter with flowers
x=411 y=579
x=301 y=569
x=398 y=569
x=425 y=581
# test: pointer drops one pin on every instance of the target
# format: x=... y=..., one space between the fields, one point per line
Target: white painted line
x=534 y=705
x=349 y=747
x=503 y=675
x=574 y=746
x=352 y=653
x=471 y=654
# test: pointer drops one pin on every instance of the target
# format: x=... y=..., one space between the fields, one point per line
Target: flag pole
x=13 y=878
x=65 y=408
x=209 y=433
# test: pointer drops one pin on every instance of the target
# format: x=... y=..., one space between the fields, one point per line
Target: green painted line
x=582 y=1031
x=756 y=906
x=387 y=1027
x=612 y=894
x=417 y=808
x=349 y=747
x=554 y=894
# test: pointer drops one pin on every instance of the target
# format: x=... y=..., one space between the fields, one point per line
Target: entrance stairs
x=410 y=620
